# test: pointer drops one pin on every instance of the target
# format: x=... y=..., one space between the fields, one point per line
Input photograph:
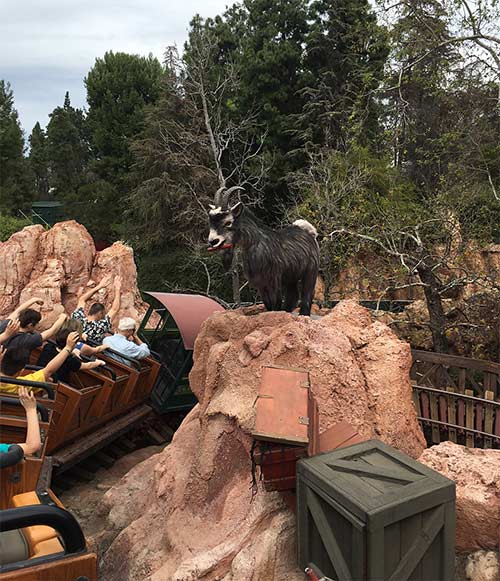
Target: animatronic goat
x=272 y=259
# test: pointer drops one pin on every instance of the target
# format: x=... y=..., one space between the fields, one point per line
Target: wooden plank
x=419 y=546
x=91 y=443
x=155 y=436
x=452 y=416
x=448 y=540
x=488 y=418
x=433 y=406
x=282 y=406
x=104 y=459
x=456 y=361
x=328 y=537
x=462 y=373
x=469 y=420
x=64 y=569
x=45 y=476
x=396 y=474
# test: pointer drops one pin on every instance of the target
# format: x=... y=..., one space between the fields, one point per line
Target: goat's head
x=223 y=219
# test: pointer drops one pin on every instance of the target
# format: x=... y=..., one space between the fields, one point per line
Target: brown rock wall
x=193 y=502
x=58 y=265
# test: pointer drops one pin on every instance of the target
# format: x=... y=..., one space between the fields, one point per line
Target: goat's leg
x=291 y=297
x=272 y=299
x=267 y=299
x=308 y=286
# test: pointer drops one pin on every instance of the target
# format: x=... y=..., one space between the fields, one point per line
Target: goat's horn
x=217 y=197
x=227 y=194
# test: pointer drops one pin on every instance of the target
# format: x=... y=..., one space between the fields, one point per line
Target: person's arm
x=93 y=364
x=11 y=329
x=115 y=307
x=51 y=331
x=53 y=365
x=33 y=441
x=26 y=305
x=86 y=296
x=89 y=351
x=138 y=349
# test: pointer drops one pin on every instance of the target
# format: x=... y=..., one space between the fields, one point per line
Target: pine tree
x=344 y=62
x=38 y=161
x=119 y=86
x=67 y=150
x=16 y=191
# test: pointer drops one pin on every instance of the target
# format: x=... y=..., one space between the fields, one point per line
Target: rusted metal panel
x=189 y=312
x=282 y=406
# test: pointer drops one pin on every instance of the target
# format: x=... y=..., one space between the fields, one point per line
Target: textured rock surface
x=483 y=566
x=58 y=265
x=477 y=476
x=192 y=503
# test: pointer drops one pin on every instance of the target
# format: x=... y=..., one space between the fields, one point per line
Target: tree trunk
x=437 y=318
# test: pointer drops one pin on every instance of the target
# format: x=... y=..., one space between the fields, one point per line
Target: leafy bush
x=9 y=225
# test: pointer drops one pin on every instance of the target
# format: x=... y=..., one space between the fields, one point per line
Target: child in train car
x=97 y=323
x=12 y=362
x=12 y=453
x=73 y=362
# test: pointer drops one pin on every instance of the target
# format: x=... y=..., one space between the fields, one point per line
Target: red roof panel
x=188 y=312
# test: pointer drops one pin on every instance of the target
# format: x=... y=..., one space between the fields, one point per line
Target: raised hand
x=105 y=281
x=12 y=328
x=118 y=283
x=72 y=340
x=27 y=398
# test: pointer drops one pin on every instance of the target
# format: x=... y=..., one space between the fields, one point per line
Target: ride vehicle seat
x=29 y=542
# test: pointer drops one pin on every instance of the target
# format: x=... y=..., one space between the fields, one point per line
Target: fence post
x=469 y=419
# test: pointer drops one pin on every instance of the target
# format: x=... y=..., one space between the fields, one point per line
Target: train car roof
x=188 y=312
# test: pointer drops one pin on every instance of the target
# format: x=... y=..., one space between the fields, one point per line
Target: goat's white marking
x=212 y=235
x=215 y=211
x=307 y=226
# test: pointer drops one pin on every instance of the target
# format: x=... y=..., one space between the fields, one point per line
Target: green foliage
x=119 y=85
x=38 y=161
x=10 y=225
x=346 y=50
x=16 y=192
x=67 y=150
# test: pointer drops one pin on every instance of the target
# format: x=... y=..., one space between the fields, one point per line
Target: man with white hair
x=125 y=341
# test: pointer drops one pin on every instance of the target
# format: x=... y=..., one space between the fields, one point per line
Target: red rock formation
x=188 y=513
x=58 y=265
x=477 y=476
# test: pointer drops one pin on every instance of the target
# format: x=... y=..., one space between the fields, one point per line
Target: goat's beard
x=227 y=258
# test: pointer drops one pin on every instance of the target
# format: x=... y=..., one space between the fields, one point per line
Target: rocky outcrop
x=59 y=264
x=476 y=473
x=193 y=502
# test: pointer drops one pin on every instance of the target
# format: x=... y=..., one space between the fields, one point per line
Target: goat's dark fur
x=273 y=260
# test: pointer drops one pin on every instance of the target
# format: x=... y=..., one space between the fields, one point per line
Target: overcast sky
x=48 y=46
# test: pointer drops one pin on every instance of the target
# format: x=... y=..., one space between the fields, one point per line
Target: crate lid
x=372 y=478
x=282 y=406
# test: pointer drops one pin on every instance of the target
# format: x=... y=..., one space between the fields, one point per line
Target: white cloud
x=48 y=46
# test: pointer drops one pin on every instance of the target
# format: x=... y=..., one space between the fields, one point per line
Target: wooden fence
x=457 y=399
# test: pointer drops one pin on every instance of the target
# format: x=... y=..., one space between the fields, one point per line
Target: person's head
x=29 y=319
x=97 y=312
x=126 y=327
x=13 y=362
x=68 y=327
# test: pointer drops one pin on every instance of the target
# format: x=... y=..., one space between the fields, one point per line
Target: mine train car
x=77 y=419
x=39 y=539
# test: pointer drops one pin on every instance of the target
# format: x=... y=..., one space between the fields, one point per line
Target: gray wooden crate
x=369 y=512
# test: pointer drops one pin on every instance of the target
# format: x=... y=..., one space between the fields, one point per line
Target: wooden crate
x=369 y=512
